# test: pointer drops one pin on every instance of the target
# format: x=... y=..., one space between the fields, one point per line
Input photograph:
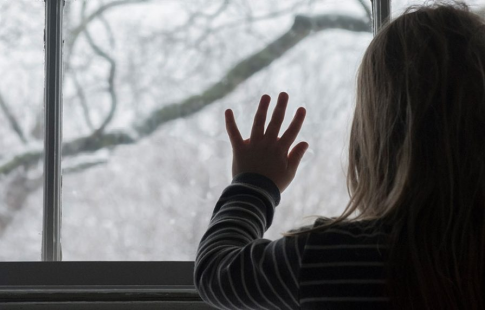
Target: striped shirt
x=235 y=268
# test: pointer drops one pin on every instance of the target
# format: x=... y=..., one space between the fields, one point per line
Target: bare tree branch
x=12 y=120
x=111 y=77
x=251 y=19
x=107 y=26
x=21 y=160
x=17 y=191
x=366 y=8
x=102 y=9
x=95 y=142
x=211 y=17
x=82 y=166
x=302 y=27
x=82 y=101
x=74 y=33
x=248 y=19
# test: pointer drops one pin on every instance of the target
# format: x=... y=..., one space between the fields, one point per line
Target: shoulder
x=364 y=231
x=347 y=232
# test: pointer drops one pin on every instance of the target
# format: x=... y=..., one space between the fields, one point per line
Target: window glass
x=146 y=84
x=21 y=129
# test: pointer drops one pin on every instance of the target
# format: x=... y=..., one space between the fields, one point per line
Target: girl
x=416 y=177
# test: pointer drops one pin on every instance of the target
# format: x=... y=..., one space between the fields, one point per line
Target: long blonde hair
x=417 y=155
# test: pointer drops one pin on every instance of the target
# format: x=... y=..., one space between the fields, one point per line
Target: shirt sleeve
x=235 y=268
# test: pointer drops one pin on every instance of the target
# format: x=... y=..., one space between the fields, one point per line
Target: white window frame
x=53 y=284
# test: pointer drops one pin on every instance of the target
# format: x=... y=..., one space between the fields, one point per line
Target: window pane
x=146 y=87
x=21 y=129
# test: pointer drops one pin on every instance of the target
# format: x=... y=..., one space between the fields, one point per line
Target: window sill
x=102 y=298
x=99 y=285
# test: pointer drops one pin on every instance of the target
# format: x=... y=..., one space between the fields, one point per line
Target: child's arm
x=234 y=267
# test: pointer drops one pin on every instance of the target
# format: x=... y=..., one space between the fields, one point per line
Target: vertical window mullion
x=51 y=232
x=381 y=13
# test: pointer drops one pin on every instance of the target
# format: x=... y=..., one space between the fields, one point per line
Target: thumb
x=296 y=155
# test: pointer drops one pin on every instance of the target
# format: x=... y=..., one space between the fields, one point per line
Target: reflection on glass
x=21 y=129
x=146 y=86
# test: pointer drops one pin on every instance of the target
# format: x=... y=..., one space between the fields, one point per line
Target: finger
x=257 y=132
x=296 y=155
x=232 y=130
x=293 y=130
x=277 y=117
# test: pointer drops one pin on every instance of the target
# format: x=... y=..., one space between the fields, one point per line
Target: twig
x=82 y=101
x=74 y=33
x=108 y=30
x=111 y=77
x=12 y=120
x=366 y=8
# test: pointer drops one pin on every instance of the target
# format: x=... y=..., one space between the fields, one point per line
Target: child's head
x=417 y=153
x=420 y=113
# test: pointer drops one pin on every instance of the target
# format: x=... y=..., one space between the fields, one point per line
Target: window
x=149 y=194
x=146 y=155
x=140 y=178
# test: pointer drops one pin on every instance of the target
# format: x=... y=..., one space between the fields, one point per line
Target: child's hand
x=264 y=152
